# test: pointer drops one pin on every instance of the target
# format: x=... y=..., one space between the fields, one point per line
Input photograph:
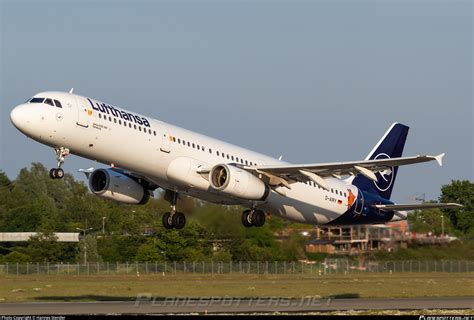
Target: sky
x=314 y=81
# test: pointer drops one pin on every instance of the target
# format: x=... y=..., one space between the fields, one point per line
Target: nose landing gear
x=61 y=153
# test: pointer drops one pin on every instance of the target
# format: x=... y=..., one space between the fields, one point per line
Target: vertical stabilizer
x=390 y=146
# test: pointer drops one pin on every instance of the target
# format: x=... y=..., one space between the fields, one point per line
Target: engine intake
x=237 y=182
x=113 y=185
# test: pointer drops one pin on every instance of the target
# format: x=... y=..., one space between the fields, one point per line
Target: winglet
x=439 y=159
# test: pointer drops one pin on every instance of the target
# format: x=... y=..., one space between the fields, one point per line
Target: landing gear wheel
x=52 y=173
x=59 y=173
x=167 y=221
x=179 y=220
x=247 y=218
x=258 y=218
x=61 y=153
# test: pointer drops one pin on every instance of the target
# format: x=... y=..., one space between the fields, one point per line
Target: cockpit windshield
x=36 y=100
x=51 y=102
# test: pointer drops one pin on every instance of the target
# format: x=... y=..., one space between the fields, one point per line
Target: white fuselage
x=167 y=155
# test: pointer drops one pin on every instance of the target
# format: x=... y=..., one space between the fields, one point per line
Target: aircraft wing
x=398 y=207
x=286 y=174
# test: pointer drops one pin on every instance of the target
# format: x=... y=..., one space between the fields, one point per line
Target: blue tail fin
x=390 y=146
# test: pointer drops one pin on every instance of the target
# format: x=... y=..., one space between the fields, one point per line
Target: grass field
x=126 y=287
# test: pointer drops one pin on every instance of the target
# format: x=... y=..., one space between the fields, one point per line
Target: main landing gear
x=173 y=219
x=58 y=173
x=253 y=218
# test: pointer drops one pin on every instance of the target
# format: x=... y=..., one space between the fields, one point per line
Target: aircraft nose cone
x=18 y=117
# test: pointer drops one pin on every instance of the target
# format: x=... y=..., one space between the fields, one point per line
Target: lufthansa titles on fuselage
x=111 y=110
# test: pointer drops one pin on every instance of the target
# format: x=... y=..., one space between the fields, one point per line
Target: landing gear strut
x=253 y=217
x=173 y=219
x=58 y=173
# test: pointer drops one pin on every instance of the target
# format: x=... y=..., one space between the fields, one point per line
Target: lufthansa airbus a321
x=144 y=154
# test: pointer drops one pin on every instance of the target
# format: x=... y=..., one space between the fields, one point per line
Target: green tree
x=119 y=247
x=148 y=252
x=16 y=257
x=45 y=248
x=430 y=220
x=88 y=250
x=174 y=244
x=460 y=192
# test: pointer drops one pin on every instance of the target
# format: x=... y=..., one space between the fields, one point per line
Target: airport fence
x=333 y=266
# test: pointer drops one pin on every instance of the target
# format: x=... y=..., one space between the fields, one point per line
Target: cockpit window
x=37 y=100
x=58 y=104
x=49 y=101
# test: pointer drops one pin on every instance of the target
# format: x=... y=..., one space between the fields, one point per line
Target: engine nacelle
x=237 y=182
x=113 y=185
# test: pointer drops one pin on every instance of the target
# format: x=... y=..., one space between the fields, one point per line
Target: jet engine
x=109 y=184
x=237 y=182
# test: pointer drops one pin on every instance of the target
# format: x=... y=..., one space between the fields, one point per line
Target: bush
x=16 y=257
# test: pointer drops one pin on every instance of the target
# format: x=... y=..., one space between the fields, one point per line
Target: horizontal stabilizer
x=398 y=207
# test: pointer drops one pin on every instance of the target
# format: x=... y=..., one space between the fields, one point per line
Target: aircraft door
x=359 y=207
x=165 y=139
x=83 y=111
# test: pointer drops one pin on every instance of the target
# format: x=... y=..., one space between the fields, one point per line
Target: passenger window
x=228 y=157
x=140 y=128
x=193 y=145
x=232 y=158
x=120 y=122
x=217 y=152
x=246 y=162
x=154 y=133
x=100 y=116
x=115 y=120
x=179 y=140
x=129 y=125
x=110 y=119
x=189 y=144
x=135 y=126
x=49 y=101
x=210 y=151
x=197 y=146
x=58 y=104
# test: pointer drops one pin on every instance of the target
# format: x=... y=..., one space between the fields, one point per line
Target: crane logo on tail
x=385 y=177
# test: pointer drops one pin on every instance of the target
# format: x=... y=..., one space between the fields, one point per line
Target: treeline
x=35 y=203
